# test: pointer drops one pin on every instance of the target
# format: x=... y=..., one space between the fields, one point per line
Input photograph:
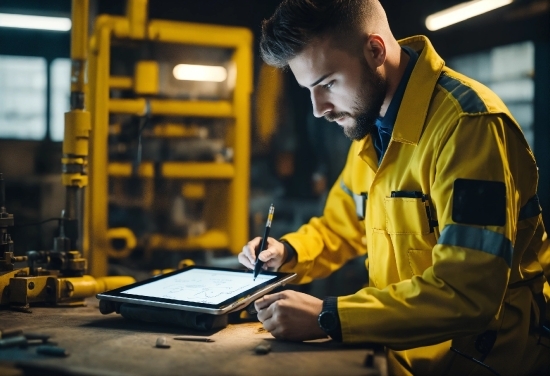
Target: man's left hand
x=291 y=315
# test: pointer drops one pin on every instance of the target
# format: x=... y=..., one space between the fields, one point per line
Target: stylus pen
x=263 y=244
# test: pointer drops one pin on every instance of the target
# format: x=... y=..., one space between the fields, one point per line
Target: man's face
x=343 y=87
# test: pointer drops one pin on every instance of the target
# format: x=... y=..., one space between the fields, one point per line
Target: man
x=439 y=189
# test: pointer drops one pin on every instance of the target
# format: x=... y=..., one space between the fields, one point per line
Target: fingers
x=243 y=259
x=272 y=257
x=274 y=254
x=266 y=255
x=270 y=325
x=270 y=319
x=247 y=257
x=266 y=301
x=267 y=313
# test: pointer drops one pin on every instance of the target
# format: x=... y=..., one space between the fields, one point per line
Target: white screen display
x=200 y=286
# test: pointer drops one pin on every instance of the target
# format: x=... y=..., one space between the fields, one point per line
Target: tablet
x=200 y=289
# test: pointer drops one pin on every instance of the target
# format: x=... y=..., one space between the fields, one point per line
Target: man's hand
x=291 y=315
x=273 y=256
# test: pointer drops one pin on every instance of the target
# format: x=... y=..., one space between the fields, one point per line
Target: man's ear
x=374 y=50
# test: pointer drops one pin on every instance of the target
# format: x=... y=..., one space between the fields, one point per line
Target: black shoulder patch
x=479 y=202
x=468 y=99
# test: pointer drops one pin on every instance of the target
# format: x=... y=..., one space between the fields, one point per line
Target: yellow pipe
x=97 y=195
x=121 y=233
x=146 y=77
x=79 y=44
x=77 y=130
x=121 y=82
x=192 y=108
x=239 y=188
x=136 y=12
x=77 y=121
x=79 y=29
x=177 y=170
x=121 y=169
x=88 y=286
x=128 y=106
x=172 y=107
x=212 y=239
x=190 y=170
x=199 y=34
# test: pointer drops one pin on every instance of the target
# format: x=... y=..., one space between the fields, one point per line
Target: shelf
x=176 y=170
x=212 y=239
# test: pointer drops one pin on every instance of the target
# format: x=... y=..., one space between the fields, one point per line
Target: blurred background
x=195 y=182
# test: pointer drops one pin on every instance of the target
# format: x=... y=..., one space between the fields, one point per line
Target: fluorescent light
x=22 y=21
x=200 y=73
x=462 y=12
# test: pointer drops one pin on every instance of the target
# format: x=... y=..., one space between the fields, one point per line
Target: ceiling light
x=462 y=12
x=22 y=21
x=200 y=73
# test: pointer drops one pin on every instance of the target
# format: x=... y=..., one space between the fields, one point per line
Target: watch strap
x=330 y=304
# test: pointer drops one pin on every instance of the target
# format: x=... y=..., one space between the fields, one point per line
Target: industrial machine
x=169 y=105
x=54 y=277
x=160 y=138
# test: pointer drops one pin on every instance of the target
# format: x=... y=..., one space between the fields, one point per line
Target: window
x=509 y=72
x=23 y=97
x=60 y=96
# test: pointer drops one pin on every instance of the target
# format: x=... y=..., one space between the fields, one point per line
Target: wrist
x=289 y=252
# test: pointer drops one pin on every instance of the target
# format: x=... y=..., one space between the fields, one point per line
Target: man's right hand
x=273 y=256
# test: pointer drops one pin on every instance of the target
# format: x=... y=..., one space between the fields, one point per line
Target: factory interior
x=119 y=163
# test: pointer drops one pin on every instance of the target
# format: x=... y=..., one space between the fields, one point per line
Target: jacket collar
x=418 y=94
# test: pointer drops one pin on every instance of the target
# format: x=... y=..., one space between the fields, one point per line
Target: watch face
x=327 y=321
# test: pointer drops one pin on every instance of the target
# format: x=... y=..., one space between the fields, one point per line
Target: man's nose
x=320 y=105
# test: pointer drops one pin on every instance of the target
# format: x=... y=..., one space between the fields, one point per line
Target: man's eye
x=329 y=85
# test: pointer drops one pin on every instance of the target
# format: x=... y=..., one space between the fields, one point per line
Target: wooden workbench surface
x=111 y=345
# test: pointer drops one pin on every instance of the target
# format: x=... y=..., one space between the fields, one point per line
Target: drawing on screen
x=200 y=286
x=213 y=286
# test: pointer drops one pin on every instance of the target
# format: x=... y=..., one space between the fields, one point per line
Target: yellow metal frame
x=226 y=203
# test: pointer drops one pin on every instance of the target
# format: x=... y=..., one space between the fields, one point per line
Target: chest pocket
x=360 y=200
x=409 y=212
x=410 y=226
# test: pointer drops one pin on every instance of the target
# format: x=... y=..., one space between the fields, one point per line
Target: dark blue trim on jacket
x=468 y=99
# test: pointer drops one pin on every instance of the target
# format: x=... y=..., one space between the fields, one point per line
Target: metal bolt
x=31 y=285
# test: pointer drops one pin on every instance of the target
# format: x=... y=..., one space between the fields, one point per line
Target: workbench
x=112 y=345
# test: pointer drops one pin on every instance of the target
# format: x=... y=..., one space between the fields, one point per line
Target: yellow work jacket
x=437 y=281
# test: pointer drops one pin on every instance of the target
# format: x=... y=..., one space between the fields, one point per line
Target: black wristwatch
x=329 y=320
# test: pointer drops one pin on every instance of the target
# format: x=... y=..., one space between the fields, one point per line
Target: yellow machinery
x=53 y=277
x=193 y=136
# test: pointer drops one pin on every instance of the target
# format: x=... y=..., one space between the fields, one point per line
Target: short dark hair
x=295 y=23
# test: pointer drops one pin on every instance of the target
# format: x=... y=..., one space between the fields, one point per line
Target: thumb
x=265 y=255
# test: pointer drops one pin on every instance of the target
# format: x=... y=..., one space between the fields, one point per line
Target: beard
x=367 y=105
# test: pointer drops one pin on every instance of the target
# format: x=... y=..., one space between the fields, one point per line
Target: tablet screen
x=200 y=286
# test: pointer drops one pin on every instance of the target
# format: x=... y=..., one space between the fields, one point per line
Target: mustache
x=333 y=116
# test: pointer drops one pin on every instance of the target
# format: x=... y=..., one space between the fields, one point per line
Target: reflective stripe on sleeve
x=479 y=239
x=360 y=201
x=345 y=188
